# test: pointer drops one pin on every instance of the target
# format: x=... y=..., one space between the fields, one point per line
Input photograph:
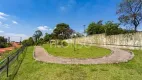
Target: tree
x=3 y=42
x=25 y=42
x=130 y=12
x=28 y=42
x=62 y=31
x=113 y=28
x=47 y=37
x=78 y=35
x=31 y=41
x=41 y=41
x=95 y=28
x=37 y=35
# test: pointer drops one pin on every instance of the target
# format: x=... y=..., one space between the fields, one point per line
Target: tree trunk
x=135 y=28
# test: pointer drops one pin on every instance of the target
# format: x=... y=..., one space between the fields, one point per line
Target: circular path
x=117 y=56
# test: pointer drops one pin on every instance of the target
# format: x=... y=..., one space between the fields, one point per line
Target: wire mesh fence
x=10 y=65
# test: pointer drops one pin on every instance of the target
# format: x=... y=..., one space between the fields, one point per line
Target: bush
x=2 y=45
x=60 y=42
x=64 y=43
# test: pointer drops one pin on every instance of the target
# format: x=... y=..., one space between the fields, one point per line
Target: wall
x=128 y=40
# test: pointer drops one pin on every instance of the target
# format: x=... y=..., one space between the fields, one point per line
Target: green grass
x=33 y=70
x=13 y=67
x=80 y=51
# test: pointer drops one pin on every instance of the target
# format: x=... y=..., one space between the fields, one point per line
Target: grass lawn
x=80 y=51
x=33 y=70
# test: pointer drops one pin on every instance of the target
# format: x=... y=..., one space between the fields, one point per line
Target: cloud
x=1 y=31
x=3 y=15
x=14 y=22
x=4 y=25
x=44 y=28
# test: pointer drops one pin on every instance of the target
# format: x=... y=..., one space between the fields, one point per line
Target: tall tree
x=37 y=35
x=130 y=12
x=62 y=31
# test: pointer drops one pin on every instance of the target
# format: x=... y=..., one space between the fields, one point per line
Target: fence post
x=17 y=56
x=7 y=66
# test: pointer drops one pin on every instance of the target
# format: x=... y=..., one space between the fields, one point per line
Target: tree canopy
x=3 y=42
x=62 y=31
x=47 y=37
x=130 y=12
x=95 y=28
x=109 y=28
x=37 y=35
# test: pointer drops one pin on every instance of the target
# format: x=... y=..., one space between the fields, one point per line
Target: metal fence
x=9 y=61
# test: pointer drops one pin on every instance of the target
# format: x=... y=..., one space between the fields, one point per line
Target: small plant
x=64 y=43
x=60 y=42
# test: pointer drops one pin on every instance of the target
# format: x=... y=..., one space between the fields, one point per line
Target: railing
x=12 y=61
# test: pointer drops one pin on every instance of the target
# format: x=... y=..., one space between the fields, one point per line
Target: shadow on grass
x=19 y=62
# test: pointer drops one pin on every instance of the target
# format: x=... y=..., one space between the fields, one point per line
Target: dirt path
x=117 y=56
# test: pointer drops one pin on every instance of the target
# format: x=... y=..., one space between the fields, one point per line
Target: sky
x=20 y=18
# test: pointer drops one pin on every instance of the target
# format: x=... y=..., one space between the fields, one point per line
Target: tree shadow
x=20 y=59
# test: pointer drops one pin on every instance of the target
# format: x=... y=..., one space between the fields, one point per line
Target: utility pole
x=9 y=39
x=20 y=40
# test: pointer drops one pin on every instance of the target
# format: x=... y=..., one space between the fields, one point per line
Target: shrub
x=60 y=42
x=64 y=43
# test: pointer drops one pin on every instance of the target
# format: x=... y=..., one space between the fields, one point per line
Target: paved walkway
x=117 y=56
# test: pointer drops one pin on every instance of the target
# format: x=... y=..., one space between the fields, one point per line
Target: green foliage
x=113 y=28
x=3 y=42
x=37 y=35
x=95 y=28
x=109 y=28
x=62 y=31
x=60 y=42
x=24 y=42
x=78 y=35
x=63 y=43
x=28 y=42
x=31 y=41
x=47 y=37
x=40 y=41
